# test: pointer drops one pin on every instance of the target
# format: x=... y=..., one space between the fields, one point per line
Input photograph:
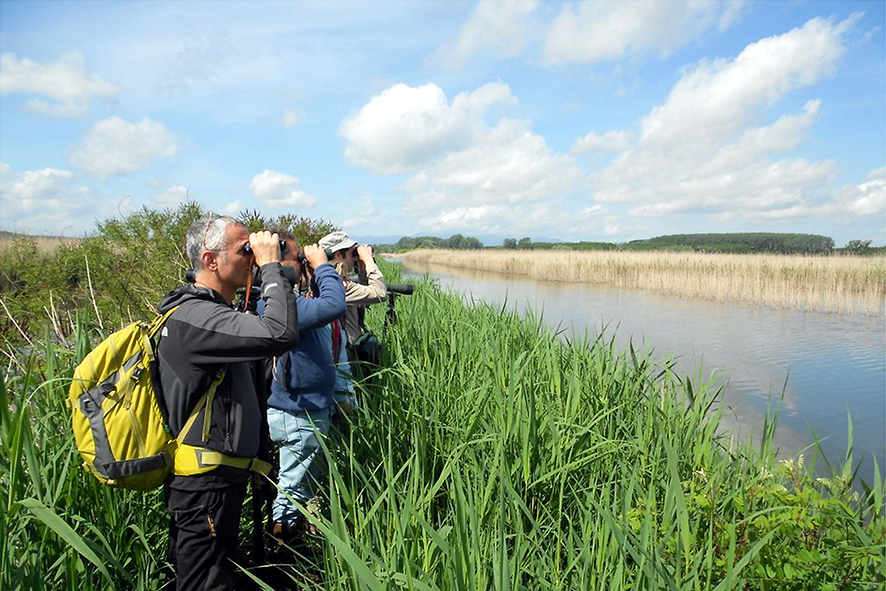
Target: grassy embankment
x=843 y=284
x=487 y=455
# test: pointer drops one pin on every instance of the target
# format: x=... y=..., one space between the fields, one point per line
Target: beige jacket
x=370 y=289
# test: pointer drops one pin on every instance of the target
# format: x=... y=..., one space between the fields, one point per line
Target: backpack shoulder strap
x=153 y=328
x=205 y=400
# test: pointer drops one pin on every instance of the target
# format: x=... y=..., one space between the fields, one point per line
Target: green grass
x=486 y=455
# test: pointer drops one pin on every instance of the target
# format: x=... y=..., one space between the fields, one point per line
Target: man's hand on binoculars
x=364 y=252
x=315 y=255
x=265 y=246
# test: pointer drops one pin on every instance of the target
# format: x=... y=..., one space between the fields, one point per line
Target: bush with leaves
x=114 y=276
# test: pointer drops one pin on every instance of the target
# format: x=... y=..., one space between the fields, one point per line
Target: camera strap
x=248 y=286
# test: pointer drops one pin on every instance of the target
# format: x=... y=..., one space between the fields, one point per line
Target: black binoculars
x=247 y=248
x=302 y=259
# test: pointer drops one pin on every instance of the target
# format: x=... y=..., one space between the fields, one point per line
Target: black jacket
x=204 y=335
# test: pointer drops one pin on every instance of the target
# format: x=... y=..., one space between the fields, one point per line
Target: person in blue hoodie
x=303 y=389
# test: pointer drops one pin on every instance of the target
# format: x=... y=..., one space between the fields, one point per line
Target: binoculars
x=247 y=248
x=302 y=260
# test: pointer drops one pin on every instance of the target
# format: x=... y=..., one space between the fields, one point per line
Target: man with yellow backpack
x=203 y=353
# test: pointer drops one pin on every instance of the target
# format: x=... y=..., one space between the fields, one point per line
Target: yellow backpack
x=119 y=429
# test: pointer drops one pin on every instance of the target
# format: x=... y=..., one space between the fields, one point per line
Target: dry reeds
x=844 y=284
x=44 y=244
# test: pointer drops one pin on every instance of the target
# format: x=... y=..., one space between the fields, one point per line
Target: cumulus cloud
x=233 y=208
x=507 y=164
x=555 y=216
x=486 y=219
x=867 y=198
x=457 y=161
x=601 y=30
x=44 y=201
x=612 y=141
x=66 y=82
x=480 y=218
x=404 y=127
x=731 y=12
x=172 y=197
x=276 y=189
x=115 y=147
x=496 y=27
x=720 y=97
x=704 y=149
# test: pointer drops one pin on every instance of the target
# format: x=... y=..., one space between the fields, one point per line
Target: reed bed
x=45 y=244
x=843 y=284
x=486 y=455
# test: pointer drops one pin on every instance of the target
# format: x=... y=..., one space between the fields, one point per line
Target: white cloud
x=28 y=187
x=730 y=14
x=46 y=202
x=507 y=164
x=172 y=197
x=723 y=96
x=457 y=160
x=404 y=127
x=555 y=217
x=233 y=208
x=867 y=198
x=611 y=29
x=489 y=219
x=612 y=141
x=276 y=189
x=480 y=218
x=67 y=82
x=703 y=149
x=114 y=147
x=497 y=27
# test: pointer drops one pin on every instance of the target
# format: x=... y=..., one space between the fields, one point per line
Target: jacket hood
x=188 y=292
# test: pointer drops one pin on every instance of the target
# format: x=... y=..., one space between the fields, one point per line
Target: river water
x=830 y=366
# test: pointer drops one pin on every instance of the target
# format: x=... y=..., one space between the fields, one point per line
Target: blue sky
x=591 y=120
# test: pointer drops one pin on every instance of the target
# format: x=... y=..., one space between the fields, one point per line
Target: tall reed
x=486 y=455
x=844 y=284
x=491 y=456
x=60 y=529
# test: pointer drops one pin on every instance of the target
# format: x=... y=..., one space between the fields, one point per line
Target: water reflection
x=828 y=365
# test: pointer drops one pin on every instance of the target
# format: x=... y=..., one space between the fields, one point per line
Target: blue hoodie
x=304 y=378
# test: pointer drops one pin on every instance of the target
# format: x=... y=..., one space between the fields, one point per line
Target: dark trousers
x=203 y=528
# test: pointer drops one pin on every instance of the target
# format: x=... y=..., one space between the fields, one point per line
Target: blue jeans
x=301 y=458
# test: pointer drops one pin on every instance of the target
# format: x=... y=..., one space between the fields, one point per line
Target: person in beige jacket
x=368 y=288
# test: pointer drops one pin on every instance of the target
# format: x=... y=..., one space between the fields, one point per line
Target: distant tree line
x=526 y=244
x=861 y=248
x=745 y=242
x=456 y=242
